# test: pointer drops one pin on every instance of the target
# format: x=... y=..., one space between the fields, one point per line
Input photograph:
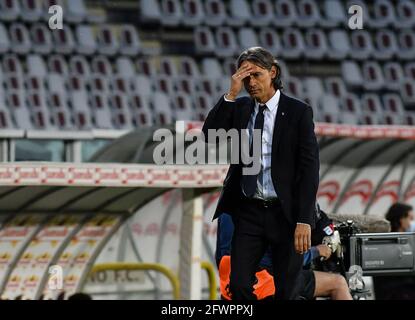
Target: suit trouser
x=258 y=226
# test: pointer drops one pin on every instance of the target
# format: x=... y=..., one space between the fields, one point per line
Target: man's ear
x=274 y=72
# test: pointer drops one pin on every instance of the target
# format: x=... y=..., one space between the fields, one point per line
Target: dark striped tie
x=249 y=182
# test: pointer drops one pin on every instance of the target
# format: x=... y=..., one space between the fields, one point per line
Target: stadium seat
x=125 y=67
x=405 y=14
x=86 y=43
x=140 y=110
x=36 y=65
x=58 y=64
x=146 y=67
x=392 y=103
x=368 y=118
x=386 y=45
x=393 y=75
x=160 y=105
x=262 y=13
x=392 y=119
x=285 y=13
x=168 y=66
x=313 y=87
x=59 y=112
x=308 y=13
x=39 y=111
x=335 y=14
x=211 y=68
x=294 y=87
x=182 y=106
x=240 y=13
x=409 y=118
x=371 y=104
x=75 y=11
x=269 y=39
x=6 y=121
x=384 y=14
x=215 y=13
x=163 y=83
x=410 y=70
x=293 y=44
x=31 y=10
x=315 y=44
x=12 y=64
x=185 y=84
x=41 y=38
x=13 y=82
x=56 y=84
x=406 y=45
x=335 y=86
x=99 y=83
x=18 y=107
x=203 y=103
x=329 y=104
x=408 y=92
x=141 y=85
x=171 y=12
x=247 y=38
x=339 y=44
x=351 y=74
x=203 y=40
x=372 y=76
x=350 y=103
x=76 y=82
x=209 y=86
x=79 y=65
x=226 y=44
x=362 y=47
x=130 y=43
x=19 y=38
x=101 y=65
x=107 y=40
x=81 y=112
x=63 y=40
x=100 y=110
x=9 y=10
x=187 y=66
x=4 y=40
x=120 y=84
x=229 y=67
x=150 y=11
x=193 y=13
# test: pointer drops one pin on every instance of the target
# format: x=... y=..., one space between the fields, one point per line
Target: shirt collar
x=272 y=103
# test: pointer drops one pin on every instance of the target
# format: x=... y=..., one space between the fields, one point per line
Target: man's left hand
x=302 y=238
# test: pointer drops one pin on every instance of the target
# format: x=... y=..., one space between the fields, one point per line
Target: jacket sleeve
x=308 y=166
x=220 y=117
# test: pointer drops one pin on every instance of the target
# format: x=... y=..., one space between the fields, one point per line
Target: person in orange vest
x=314 y=283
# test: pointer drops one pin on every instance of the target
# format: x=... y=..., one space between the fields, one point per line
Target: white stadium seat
x=58 y=64
x=75 y=11
x=31 y=10
x=351 y=74
x=262 y=13
x=100 y=111
x=215 y=13
x=247 y=38
x=130 y=43
x=150 y=11
x=408 y=91
x=86 y=43
x=393 y=75
x=386 y=45
x=9 y=10
x=101 y=65
x=41 y=38
x=361 y=45
x=182 y=106
x=335 y=14
x=107 y=40
x=285 y=13
x=335 y=86
x=410 y=70
x=240 y=13
x=171 y=12
x=4 y=39
x=270 y=40
x=405 y=14
x=204 y=40
x=384 y=14
x=20 y=38
x=308 y=13
x=193 y=13
x=406 y=45
x=339 y=44
x=315 y=44
x=372 y=76
x=293 y=44
x=63 y=40
x=226 y=44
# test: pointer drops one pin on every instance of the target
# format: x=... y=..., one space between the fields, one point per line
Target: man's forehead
x=252 y=65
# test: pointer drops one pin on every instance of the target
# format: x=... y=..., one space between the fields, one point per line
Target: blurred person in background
x=401 y=217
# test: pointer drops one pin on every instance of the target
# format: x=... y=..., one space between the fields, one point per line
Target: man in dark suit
x=275 y=205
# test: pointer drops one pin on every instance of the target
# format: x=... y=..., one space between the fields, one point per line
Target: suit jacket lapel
x=280 y=121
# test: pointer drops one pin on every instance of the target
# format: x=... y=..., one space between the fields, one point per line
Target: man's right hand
x=324 y=251
x=237 y=80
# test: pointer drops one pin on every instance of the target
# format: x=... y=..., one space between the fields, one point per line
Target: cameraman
x=313 y=283
x=401 y=218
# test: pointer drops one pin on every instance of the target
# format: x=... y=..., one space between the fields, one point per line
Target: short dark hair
x=396 y=212
x=264 y=59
